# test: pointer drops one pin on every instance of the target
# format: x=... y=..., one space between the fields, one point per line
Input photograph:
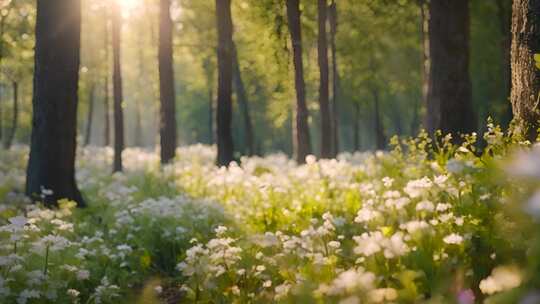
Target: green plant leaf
x=537 y=59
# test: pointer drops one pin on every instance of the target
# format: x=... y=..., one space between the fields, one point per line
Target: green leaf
x=537 y=59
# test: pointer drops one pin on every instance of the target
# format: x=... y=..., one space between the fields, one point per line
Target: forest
x=269 y=151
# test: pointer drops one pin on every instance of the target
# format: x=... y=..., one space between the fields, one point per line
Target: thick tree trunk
x=117 y=89
x=335 y=78
x=90 y=116
x=380 y=138
x=15 y=116
x=244 y=104
x=301 y=137
x=106 y=106
x=225 y=65
x=525 y=96
x=56 y=74
x=324 y=108
x=356 y=127
x=167 y=130
x=449 y=105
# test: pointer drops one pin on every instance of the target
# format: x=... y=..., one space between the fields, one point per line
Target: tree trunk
x=335 y=78
x=106 y=107
x=15 y=117
x=380 y=138
x=301 y=137
x=449 y=106
x=224 y=102
x=209 y=73
x=3 y=18
x=139 y=138
x=243 y=102
x=56 y=74
x=167 y=130
x=525 y=96
x=88 y=133
x=424 y=38
x=356 y=127
x=504 y=15
x=117 y=89
x=326 y=125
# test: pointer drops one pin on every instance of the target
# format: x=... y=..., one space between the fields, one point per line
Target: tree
x=224 y=95
x=117 y=88
x=241 y=96
x=106 y=107
x=90 y=114
x=10 y=136
x=332 y=17
x=449 y=105
x=52 y=151
x=301 y=138
x=167 y=128
x=525 y=95
x=324 y=108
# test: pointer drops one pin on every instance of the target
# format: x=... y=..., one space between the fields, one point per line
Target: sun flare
x=129 y=5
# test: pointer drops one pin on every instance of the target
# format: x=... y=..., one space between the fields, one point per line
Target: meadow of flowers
x=427 y=222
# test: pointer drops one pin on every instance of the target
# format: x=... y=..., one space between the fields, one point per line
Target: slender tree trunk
x=225 y=62
x=117 y=89
x=56 y=74
x=504 y=15
x=90 y=116
x=244 y=104
x=525 y=96
x=301 y=137
x=139 y=138
x=15 y=117
x=166 y=85
x=380 y=138
x=2 y=29
x=326 y=124
x=356 y=126
x=424 y=38
x=106 y=107
x=449 y=106
x=211 y=127
x=209 y=73
x=335 y=77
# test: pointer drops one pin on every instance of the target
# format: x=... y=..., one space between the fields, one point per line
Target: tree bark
x=56 y=74
x=15 y=118
x=117 y=89
x=324 y=108
x=224 y=102
x=244 y=104
x=301 y=137
x=525 y=96
x=335 y=78
x=106 y=107
x=167 y=128
x=449 y=105
x=90 y=116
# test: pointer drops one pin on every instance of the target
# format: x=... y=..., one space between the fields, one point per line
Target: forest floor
x=425 y=222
